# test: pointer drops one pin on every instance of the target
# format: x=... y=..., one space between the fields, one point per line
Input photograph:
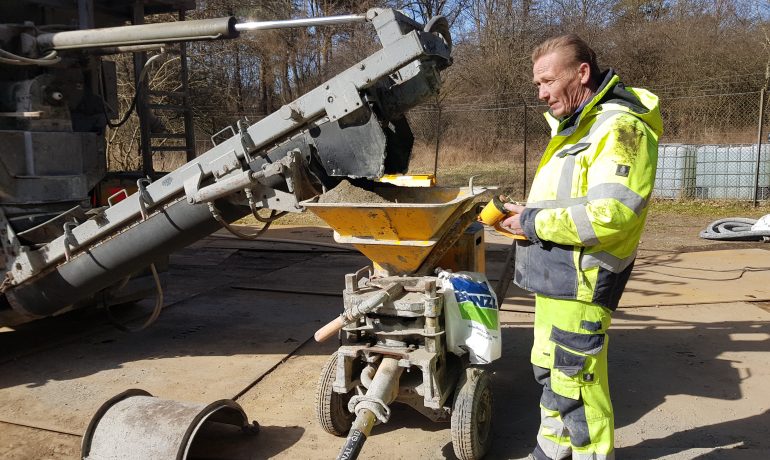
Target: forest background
x=706 y=59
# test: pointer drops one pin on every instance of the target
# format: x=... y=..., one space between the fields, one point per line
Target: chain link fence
x=708 y=149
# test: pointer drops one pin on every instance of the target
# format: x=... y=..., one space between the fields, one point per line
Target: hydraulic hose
x=357 y=436
x=735 y=229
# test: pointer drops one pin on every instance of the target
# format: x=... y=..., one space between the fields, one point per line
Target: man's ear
x=584 y=70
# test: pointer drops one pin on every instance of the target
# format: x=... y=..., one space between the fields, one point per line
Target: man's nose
x=542 y=94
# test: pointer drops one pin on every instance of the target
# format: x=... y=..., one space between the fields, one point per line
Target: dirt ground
x=671 y=231
x=689 y=380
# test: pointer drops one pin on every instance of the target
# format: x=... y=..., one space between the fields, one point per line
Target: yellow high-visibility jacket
x=588 y=202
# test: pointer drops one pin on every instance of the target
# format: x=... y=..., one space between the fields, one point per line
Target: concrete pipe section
x=137 y=425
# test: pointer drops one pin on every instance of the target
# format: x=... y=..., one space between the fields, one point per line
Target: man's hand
x=513 y=223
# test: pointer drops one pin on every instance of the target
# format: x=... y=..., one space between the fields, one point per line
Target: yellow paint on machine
x=397 y=235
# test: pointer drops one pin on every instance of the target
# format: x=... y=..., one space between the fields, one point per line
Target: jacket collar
x=639 y=102
x=568 y=125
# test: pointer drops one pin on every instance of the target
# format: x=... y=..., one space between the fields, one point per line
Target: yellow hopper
x=395 y=227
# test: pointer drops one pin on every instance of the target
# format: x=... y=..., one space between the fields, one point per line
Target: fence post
x=524 y=186
x=760 y=133
x=438 y=142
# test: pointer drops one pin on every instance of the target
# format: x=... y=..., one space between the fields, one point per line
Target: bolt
x=18 y=266
x=330 y=99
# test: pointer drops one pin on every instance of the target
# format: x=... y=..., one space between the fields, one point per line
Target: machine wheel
x=332 y=407
x=472 y=415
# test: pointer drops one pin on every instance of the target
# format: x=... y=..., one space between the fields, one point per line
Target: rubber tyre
x=472 y=415
x=331 y=407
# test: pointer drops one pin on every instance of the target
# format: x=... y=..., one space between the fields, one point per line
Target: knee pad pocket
x=574 y=361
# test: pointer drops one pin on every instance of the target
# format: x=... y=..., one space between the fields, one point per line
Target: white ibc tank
x=728 y=172
x=675 y=176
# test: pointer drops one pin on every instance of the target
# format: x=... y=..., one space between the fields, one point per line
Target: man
x=582 y=220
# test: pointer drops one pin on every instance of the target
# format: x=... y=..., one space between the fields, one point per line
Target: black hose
x=353 y=445
x=131 y=107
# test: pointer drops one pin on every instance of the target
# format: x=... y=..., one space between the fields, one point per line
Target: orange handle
x=331 y=328
x=369 y=305
x=505 y=232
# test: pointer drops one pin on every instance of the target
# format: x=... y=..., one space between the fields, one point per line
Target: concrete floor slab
x=699 y=277
x=688 y=381
x=206 y=349
x=672 y=278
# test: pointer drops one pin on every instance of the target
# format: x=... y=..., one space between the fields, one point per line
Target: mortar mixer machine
x=394 y=318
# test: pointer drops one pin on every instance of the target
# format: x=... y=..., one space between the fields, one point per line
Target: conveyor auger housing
x=351 y=126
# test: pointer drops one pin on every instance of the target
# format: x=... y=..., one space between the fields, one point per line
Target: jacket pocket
x=573 y=150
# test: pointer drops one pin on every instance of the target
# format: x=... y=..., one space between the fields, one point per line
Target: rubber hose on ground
x=735 y=229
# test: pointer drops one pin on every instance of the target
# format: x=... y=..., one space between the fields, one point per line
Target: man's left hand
x=513 y=223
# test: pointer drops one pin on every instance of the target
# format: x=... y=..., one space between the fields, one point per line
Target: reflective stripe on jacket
x=588 y=202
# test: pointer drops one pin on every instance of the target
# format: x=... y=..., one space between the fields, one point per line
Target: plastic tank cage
x=712 y=172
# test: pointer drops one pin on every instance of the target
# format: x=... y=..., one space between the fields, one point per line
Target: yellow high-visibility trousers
x=569 y=359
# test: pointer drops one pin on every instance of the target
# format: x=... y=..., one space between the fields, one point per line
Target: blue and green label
x=475 y=301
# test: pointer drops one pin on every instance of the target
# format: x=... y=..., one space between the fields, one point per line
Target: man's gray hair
x=573 y=47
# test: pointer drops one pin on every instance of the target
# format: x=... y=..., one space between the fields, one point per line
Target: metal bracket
x=70 y=243
x=216 y=134
x=470 y=184
x=247 y=142
x=145 y=200
x=192 y=184
x=342 y=99
x=114 y=195
x=352 y=279
x=8 y=242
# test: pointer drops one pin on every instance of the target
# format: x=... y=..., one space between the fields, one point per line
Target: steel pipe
x=304 y=22
x=140 y=34
x=372 y=407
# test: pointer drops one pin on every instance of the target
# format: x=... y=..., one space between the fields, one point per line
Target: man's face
x=560 y=83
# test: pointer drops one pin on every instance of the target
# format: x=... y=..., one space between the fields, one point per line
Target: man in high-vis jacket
x=582 y=220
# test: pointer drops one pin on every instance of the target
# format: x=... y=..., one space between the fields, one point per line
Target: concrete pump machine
x=60 y=250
